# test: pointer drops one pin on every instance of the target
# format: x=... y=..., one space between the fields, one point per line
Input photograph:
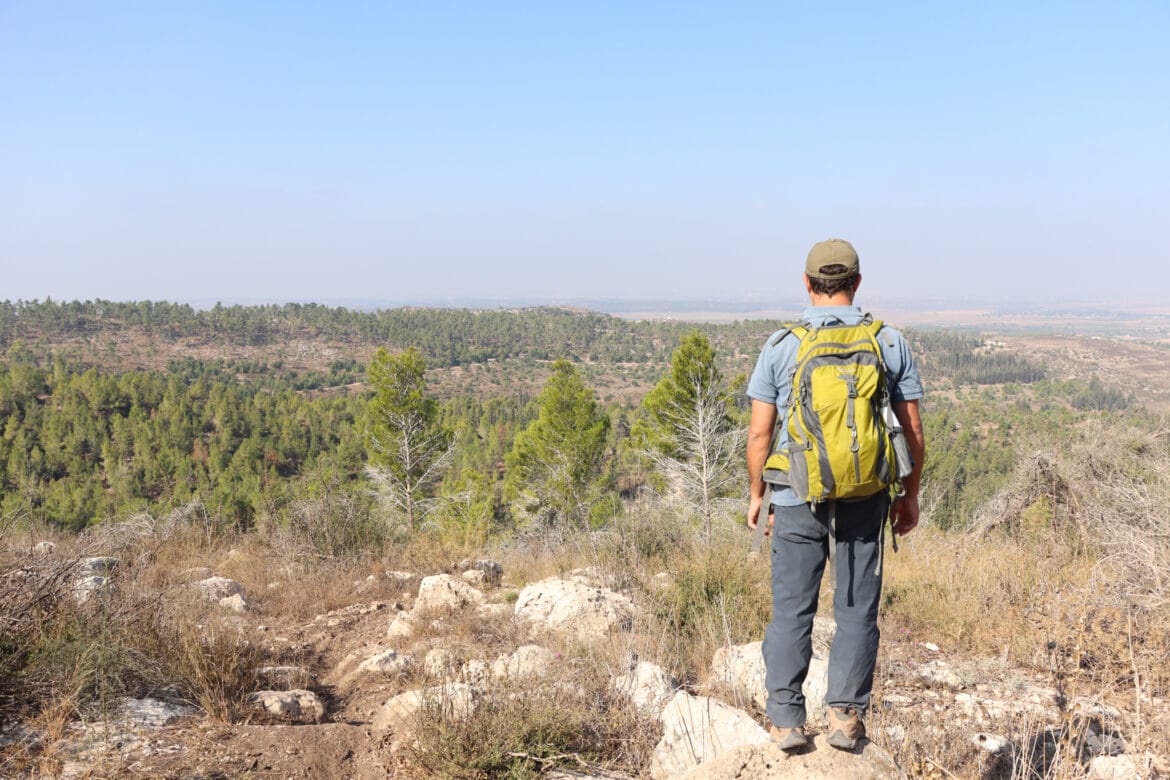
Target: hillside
x=151 y=447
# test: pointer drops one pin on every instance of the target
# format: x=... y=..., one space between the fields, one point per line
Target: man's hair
x=832 y=286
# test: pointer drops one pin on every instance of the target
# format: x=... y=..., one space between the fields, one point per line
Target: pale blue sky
x=423 y=151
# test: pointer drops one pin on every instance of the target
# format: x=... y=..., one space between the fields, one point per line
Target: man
x=800 y=531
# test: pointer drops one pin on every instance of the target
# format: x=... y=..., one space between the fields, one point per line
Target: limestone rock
x=103 y=564
x=943 y=673
x=235 y=603
x=473 y=577
x=297 y=705
x=19 y=734
x=574 y=606
x=696 y=729
x=1113 y=768
x=996 y=705
x=821 y=762
x=741 y=668
x=88 y=586
x=216 y=588
x=492 y=571
x=151 y=713
x=527 y=661
x=398 y=715
x=1143 y=765
x=44 y=548
x=476 y=672
x=441 y=663
x=285 y=676
x=387 y=662
x=442 y=594
x=648 y=685
x=401 y=627
x=494 y=610
x=992 y=743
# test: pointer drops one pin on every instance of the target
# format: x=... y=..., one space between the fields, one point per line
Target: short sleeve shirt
x=771 y=380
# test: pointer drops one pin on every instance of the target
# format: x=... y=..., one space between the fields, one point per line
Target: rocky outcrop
x=697 y=729
x=102 y=564
x=440 y=663
x=89 y=586
x=151 y=713
x=399 y=714
x=297 y=705
x=820 y=762
x=741 y=669
x=402 y=627
x=235 y=603
x=442 y=594
x=284 y=677
x=389 y=663
x=491 y=573
x=575 y=607
x=93 y=577
x=648 y=686
x=527 y=661
x=218 y=588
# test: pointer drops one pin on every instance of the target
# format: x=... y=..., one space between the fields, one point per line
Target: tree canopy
x=406 y=444
x=557 y=465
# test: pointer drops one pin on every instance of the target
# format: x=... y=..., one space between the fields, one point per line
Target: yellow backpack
x=839 y=445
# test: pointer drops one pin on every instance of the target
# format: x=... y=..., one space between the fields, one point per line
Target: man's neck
x=836 y=299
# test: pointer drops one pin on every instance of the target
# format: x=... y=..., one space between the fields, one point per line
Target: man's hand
x=753 y=515
x=904 y=511
x=904 y=514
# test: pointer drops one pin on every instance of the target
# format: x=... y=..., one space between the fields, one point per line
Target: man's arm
x=759 y=442
x=904 y=512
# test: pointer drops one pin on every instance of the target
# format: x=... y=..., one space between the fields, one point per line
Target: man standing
x=802 y=531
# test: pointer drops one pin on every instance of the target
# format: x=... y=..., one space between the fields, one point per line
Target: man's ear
x=857 y=282
x=807 y=284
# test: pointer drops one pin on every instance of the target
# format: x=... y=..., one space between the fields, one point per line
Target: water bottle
x=902 y=458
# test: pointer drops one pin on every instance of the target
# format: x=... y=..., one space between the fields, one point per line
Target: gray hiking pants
x=800 y=548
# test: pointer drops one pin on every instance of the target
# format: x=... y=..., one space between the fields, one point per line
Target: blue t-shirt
x=771 y=381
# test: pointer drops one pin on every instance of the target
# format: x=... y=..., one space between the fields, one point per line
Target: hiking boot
x=845 y=728
x=789 y=739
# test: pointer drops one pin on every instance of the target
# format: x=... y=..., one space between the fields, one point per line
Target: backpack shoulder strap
x=872 y=328
x=796 y=328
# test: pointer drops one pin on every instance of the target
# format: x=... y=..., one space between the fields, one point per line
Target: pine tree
x=407 y=447
x=557 y=465
x=685 y=432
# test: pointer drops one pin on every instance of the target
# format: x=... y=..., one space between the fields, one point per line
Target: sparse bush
x=718 y=596
x=74 y=652
x=212 y=665
x=523 y=731
x=339 y=525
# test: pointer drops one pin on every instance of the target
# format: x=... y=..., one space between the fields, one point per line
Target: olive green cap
x=832 y=259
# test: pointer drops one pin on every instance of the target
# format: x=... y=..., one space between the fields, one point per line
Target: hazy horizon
x=752 y=307
x=559 y=153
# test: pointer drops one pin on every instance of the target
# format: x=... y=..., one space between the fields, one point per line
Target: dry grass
x=983 y=596
x=523 y=730
x=1066 y=582
x=1067 y=573
x=143 y=634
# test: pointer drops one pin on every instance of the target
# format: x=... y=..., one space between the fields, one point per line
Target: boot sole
x=795 y=740
x=838 y=740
